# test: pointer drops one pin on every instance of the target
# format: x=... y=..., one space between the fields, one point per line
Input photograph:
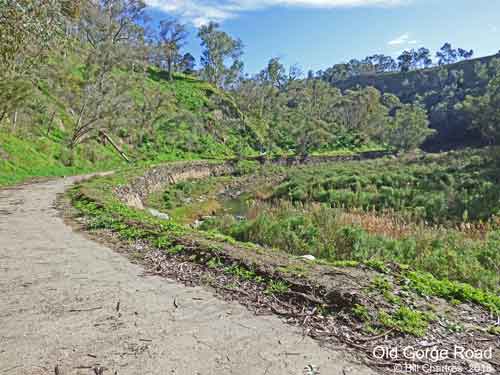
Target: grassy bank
x=26 y=157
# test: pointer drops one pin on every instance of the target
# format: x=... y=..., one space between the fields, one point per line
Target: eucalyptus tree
x=173 y=35
x=99 y=96
x=464 y=54
x=308 y=133
x=338 y=72
x=186 y=63
x=306 y=114
x=423 y=57
x=219 y=48
x=272 y=80
x=409 y=127
x=29 y=30
x=447 y=54
x=381 y=63
x=275 y=73
x=295 y=72
x=405 y=61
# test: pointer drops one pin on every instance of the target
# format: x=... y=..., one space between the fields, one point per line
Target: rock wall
x=157 y=178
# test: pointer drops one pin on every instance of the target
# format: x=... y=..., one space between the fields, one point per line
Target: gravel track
x=59 y=293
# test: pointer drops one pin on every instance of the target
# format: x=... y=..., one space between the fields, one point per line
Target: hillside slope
x=26 y=157
x=440 y=88
x=196 y=121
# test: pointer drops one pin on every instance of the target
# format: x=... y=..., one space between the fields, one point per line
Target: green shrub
x=406 y=320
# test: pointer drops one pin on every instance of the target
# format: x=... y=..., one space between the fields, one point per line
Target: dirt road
x=58 y=306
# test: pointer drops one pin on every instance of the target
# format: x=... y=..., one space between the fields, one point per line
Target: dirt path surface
x=58 y=305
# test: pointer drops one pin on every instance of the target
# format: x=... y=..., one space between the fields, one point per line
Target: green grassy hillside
x=200 y=121
x=26 y=157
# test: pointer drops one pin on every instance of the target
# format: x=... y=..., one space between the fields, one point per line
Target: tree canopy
x=219 y=48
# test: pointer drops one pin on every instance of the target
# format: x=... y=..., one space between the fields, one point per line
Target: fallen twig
x=90 y=309
x=371 y=338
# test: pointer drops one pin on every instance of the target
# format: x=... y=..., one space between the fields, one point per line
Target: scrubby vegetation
x=458 y=187
x=389 y=293
x=87 y=73
x=443 y=90
x=438 y=214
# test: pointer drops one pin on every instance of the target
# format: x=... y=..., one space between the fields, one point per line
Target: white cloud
x=200 y=12
x=402 y=40
x=493 y=28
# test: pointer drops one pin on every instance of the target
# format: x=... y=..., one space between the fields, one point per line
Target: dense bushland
x=443 y=90
x=74 y=72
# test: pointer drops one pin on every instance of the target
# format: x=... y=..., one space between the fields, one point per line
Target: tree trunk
x=115 y=146
x=169 y=63
x=49 y=127
x=2 y=116
x=14 y=121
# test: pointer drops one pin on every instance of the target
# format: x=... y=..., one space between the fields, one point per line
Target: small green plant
x=242 y=273
x=427 y=285
x=162 y=242
x=454 y=327
x=391 y=297
x=494 y=330
x=371 y=330
x=381 y=284
x=406 y=320
x=361 y=312
x=177 y=249
x=377 y=265
x=277 y=287
x=214 y=263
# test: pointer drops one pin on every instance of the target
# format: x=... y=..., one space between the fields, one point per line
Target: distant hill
x=440 y=88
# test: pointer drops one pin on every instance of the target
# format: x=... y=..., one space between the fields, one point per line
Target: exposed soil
x=70 y=302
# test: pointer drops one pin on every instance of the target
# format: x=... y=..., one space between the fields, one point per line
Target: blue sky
x=319 y=33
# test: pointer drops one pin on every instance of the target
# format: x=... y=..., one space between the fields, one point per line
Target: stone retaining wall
x=157 y=178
